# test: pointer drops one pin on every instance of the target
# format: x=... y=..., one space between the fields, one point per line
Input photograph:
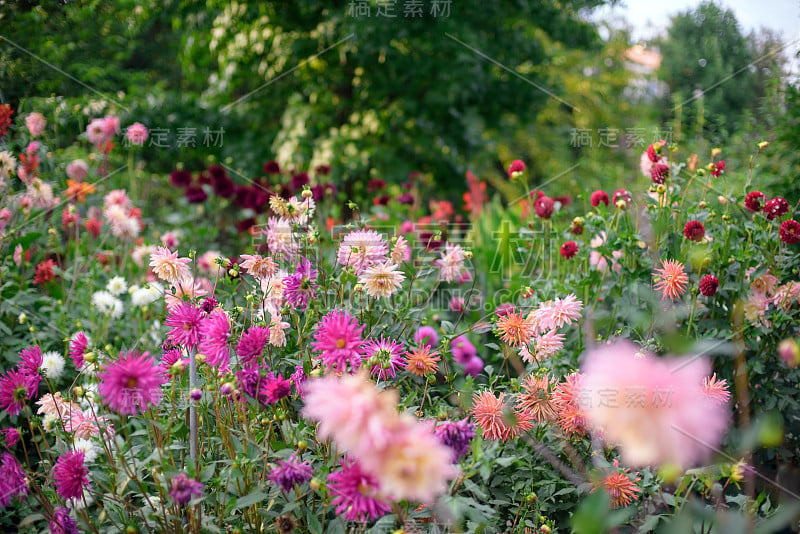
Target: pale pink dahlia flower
x=655 y=409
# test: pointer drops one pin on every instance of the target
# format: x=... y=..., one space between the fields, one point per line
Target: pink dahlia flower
x=70 y=475
x=338 y=340
x=214 y=333
x=131 y=384
x=656 y=409
x=356 y=493
x=137 y=134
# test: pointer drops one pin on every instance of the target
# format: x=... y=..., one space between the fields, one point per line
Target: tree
x=371 y=87
x=708 y=66
x=381 y=88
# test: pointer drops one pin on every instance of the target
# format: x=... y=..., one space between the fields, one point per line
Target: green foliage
x=707 y=65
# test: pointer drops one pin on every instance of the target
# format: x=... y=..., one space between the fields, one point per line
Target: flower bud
x=738 y=471
x=177 y=367
x=763 y=144
x=789 y=351
x=670 y=473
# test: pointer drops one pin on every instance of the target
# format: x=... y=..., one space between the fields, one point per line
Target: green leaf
x=207 y=473
x=650 y=523
x=30 y=519
x=313 y=523
x=564 y=491
x=25 y=240
x=255 y=496
x=590 y=518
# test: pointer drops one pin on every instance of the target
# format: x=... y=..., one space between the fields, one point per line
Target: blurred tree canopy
x=381 y=88
x=361 y=85
x=714 y=73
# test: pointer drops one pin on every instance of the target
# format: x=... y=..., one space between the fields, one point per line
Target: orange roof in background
x=648 y=58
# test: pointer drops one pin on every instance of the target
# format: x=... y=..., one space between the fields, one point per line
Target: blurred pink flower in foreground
x=655 y=409
x=403 y=454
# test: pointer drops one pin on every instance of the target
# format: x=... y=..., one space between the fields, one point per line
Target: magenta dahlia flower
x=169 y=358
x=77 y=348
x=462 y=349
x=185 y=319
x=13 y=482
x=355 y=493
x=338 y=339
x=184 y=489
x=214 y=332
x=300 y=286
x=131 y=384
x=71 y=476
x=275 y=387
x=30 y=360
x=62 y=523
x=249 y=381
x=10 y=437
x=290 y=472
x=15 y=388
x=456 y=435
x=252 y=344
x=659 y=173
x=426 y=336
x=299 y=379
x=385 y=357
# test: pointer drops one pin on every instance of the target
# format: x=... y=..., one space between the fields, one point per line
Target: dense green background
x=472 y=86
